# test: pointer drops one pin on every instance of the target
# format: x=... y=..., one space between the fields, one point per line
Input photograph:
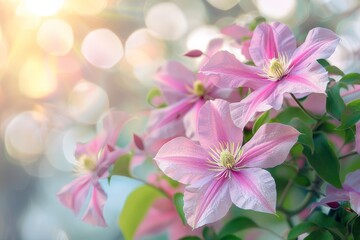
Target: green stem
x=284 y=193
x=304 y=110
x=348 y=155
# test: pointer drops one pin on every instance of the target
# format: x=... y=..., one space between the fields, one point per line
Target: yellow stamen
x=198 y=88
x=227 y=159
x=276 y=69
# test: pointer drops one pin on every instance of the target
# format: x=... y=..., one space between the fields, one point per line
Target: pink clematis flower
x=350 y=192
x=219 y=170
x=92 y=163
x=279 y=68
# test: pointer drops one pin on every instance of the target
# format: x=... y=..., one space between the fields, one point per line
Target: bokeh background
x=64 y=63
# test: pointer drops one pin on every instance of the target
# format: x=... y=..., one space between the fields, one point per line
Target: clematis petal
x=206 y=201
x=182 y=160
x=108 y=158
x=355 y=201
x=215 y=124
x=352 y=181
x=173 y=80
x=313 y=79
x=226 y=71
x=269 y=146
x=270 y=40
x=258 y=101
x=319 y=43
x=113 y=124
x=357 y=138
x=73 y=195
x=253 y=189
x=236 y=32
x=94 y=212
x=191 y=120
x=332 y=195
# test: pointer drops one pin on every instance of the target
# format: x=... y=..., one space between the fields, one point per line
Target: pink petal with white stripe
x=269 y=146
x=253 y=189
x=94 y=212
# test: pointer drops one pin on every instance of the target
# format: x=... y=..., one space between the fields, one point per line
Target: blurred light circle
x=87 y=101
x=223 y=4
x=201 y=36
x=55 y=36
x=167 y=20
x=277 y=9
x=37 y=78
x=43 y=7
x=3 y=54
x=87 y=7
x=55 y=152
x=25 y=135
x=145 y=53
x=102 y=48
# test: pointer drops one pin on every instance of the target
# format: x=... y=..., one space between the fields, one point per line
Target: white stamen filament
x=276 y=68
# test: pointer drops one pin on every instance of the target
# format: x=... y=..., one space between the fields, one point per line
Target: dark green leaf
x=236 y=225
x=297 y=150
x=331 y=69
x=319 y=235
x=302 y=180
x=351 y=114
x=355 y=230
x=334 y=103
x=304 y=227
x=324 y=160
x=351 y=78
x=327 y=222
x=179 y=205
x=323 y=62
x=260 y=121
x=305 y=137
x=135 y=209
x=230 y=237
x=290 y=113
x=190 y=238
x=209 y=233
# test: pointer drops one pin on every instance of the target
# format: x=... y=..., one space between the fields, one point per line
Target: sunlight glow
x=43 y=7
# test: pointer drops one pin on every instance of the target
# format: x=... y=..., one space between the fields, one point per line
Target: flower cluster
x=229 y=132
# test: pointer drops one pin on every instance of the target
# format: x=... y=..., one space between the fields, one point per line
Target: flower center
x=276 y=68
x=198 y=88
x=227 y=159
x=85 y=164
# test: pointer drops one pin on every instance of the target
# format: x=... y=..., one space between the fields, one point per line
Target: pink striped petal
x=182 y=160
x=270 y=40
x=173 y=80
x=226 y=71
x=319 y=43
x=253 y=189
x=191 y=120
x=260 y=100
x=215 y=125
x=333 y=195
x=74 y=194
x=269 y=146
x=108 y=157
x=94 y=212
x=113 y=124
x=357 y=137
x=355 y=201
x=206 y=201
x=352 y=181
x=236 y=32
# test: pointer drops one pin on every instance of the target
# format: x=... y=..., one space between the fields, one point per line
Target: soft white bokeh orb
x=276 y=9
x=167 y=20
x=86 y=7
x=102 y=48
x=25 y=136
x=223 y=4
x=200 y=37
x=55 y=36
x=87 y=102
x=43 y=7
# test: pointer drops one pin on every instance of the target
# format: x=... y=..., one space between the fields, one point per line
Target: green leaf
x=324 y=160
x=260 y=121
x=209 y=233
x=237 y=225
x=319 y=235
x=230 y=237
x=327 y=222
x=305 y=137
x=334 y=103
x=302 y=180
x=351 y=78
x=135 y=209
x=323 y=62
x=330 y=68
x=355 y=230
x=121 y=166
x=256 y=22
x=190 y=238
x=290 y=113
x=179 y=205
x=152 y=94
x=304 y=227
x=351 y=114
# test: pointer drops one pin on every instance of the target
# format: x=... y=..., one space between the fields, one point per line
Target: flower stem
x=304 y=110
x=284 y=193
x=348 y=155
